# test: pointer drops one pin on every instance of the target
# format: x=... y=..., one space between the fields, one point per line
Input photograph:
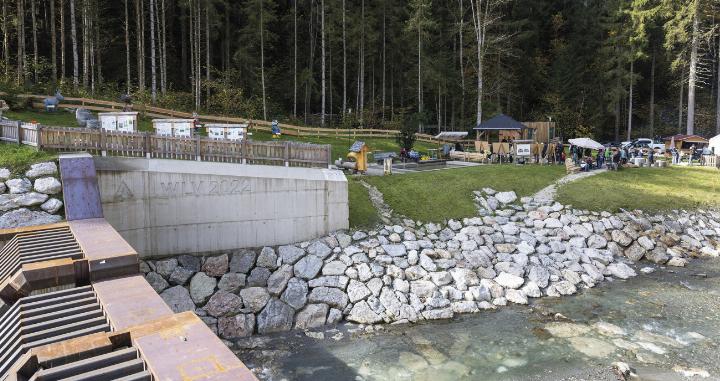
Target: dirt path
x=549 y=192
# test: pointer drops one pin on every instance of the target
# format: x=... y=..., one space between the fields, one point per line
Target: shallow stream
x=665 y=325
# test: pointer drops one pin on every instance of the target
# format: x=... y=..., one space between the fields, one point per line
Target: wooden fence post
x=38 y=136
x=19 y=132
x=328 y=152
x=197 y=148
x=147 y=147
x=243 y=151
x=287 y=154
x=103 y=143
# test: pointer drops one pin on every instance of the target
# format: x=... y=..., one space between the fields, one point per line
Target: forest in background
x=603 y=68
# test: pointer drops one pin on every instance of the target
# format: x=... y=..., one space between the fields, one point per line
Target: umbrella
x=672 y=142
x=586 y=143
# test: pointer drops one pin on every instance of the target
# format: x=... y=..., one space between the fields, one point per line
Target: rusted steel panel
x=107 y=253
x=9 y=233
x=130 y=301
x=73 y=349
x=182 y=347
x=80 y=188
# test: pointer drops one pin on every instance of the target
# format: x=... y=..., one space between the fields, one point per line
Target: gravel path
x=549 y=192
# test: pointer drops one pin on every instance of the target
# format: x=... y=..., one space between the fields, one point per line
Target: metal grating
x=48 y=318
x=43 y=245
x=120 y=364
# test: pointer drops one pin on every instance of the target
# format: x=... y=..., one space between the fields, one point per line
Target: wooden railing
x=712 y=161
x=260 y=125
x=143 y=144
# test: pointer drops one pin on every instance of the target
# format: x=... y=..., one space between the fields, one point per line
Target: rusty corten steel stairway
x=74 y=307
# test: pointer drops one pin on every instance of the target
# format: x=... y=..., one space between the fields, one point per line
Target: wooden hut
x=685 y=142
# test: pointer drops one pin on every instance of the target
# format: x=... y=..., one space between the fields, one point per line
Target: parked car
x=644 y=143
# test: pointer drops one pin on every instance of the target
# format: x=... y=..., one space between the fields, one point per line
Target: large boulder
x=508 y=280
x=216 y=266
x=52 y=205
x=295 y=294
x=231 y=282
x=24 y=217
x=254 y=298
x=290 y=254
x=17 y=186
x=329 y=295
x=48 y=185
x=506 y=197
x=242 y=261
x=178 y=299
x=202 y=287
x=308 y=267
x=312 y=316
x=267 y=258
x=223 y=303
x=235 y=327
x=363 y=314
x=276 y=317
x=279 y=279
x=42 y=169
x=157 y=282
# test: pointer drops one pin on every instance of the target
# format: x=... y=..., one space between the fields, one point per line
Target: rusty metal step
x=78 y=368
x=38 y=320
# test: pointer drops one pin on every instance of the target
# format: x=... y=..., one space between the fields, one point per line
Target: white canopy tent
x=586 y=143
x=715 y=143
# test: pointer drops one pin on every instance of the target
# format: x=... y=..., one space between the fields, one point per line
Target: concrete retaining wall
x=168 y=207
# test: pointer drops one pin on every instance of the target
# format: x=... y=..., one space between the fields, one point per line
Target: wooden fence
x=260 y=125
x=144 y=144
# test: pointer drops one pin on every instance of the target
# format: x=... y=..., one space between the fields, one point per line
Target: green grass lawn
x=362 y=212
x=647 y=189
x=18 y=158
x=445 y=194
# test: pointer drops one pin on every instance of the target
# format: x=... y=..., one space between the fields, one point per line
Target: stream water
x=665 y=325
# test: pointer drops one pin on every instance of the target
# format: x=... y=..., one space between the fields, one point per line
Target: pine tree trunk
x=183 y=45
x=139 y=46
x=128 y=80
x=630 y=102
x=680 y=104
x=63 y=69
x=153 y=73
x=295 y=58
x=383 y=63
x=207 y=48
x=462 y=63
x=717 y=96
x=344 y=109
x=73 y=38
x=163 y=50
x=419 y=80
x=322 y=62
x=33 y=15
x=479 y=25
x=85 y=45
x=21 y=42
x=652 y=96
x=361 y=108
x=262 y=60
x=53 y=42
x=6 y=38
x=692 y=77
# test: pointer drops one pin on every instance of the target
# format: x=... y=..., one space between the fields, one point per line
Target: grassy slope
x=362 y=212
x=648 y=189
x=441 y=195
x=19 y=158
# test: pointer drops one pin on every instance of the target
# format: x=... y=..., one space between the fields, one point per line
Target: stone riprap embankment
x=32 y=199
x=517 y=250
